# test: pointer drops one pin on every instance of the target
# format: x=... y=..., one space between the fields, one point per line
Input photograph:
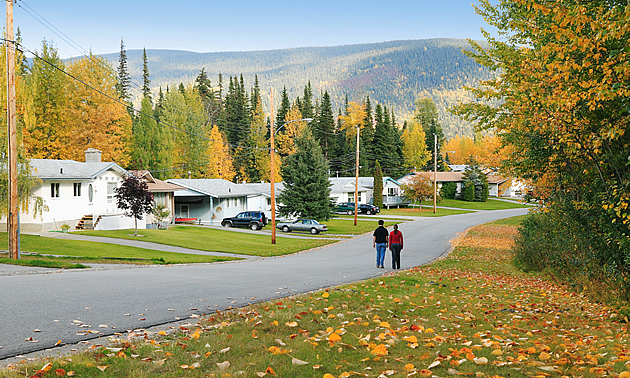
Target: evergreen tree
x=146 y=82
x=324 y=127
x=367 y=150
x=124 y=80
x=306 y=105
x=378 y=185
x=159 y=105
x=285 y=106
x=152 y=147
x=426 y=113
x=306 y=186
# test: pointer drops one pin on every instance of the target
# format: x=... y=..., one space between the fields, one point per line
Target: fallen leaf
x=223 y=365
x=434 y=364
x=291 y=324
x=295 y=361
x=425 y=373
x=102 y=368
x=480 y=360
x=224 y=350
x=269 y=370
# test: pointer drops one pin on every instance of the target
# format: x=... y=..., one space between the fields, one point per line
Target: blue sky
x=239 y=25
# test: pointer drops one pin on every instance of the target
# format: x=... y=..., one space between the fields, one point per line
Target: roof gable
x=48 y=169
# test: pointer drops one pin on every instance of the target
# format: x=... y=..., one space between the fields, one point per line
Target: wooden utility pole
x=356 y=184
x=272 y=173
x=14 y=252
x=434 y=173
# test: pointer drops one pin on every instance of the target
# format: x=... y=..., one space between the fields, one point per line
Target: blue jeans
x=380 y=253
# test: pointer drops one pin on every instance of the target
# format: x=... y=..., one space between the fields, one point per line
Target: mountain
x=392 y=73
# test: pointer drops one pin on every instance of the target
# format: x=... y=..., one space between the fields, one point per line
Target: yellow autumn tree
x=93 y=118
x=355 y=117
x=220 y=160
x=415 y=150
x=285 y=140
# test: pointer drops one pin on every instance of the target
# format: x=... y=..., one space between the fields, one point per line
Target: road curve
x=64 y=305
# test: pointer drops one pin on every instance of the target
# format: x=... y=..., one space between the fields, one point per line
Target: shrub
x=468 y=193
x=448 y=190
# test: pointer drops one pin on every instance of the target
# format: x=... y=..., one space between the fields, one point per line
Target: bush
x=572 y=244
x=468 y=193
x=448 y=190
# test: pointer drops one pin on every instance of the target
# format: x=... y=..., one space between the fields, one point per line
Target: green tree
x=124 y=80
x=324 y=126
x=283 y=109
x=427 y=115
x=378 y=185
x=306 y=107
x=146 y=82
x=306 y=186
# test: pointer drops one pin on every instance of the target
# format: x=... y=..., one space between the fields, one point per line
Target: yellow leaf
x=325 y=295
x=411 y=339
x=384 y=325
x=380 y=350
x=162 y=333
x=269 y=370
x=47 y=367
x=195 y=336
x=275 y=322
x=334 y=338
x=409 y=368
x=291 y=324
x=328 y=375
x=102 y=368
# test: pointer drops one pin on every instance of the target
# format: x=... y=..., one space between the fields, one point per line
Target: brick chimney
x=92 y=155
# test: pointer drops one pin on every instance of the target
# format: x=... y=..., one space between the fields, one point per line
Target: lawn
x=217 y=240
x=87 y=251
x=424 y=212
x=469 y=314
x=491 y=204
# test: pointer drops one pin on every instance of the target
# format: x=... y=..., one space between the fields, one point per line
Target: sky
x=237 y=25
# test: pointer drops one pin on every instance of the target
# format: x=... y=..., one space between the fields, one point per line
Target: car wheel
x=227 y=224
x=369 y=212
x=314 y=231
x=285 y=229
x=254 y=226
x=350 y=212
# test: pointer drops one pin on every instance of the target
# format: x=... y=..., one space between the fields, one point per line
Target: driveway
x=37 y=310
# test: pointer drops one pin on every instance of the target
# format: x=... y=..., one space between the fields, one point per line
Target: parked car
x=310 y=225
x=364 y=208
x=252 y=219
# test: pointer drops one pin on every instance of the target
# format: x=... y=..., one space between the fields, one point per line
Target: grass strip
x=43 y=262
x=88 y=251
x=424 y=212
x=469 y=314
x=490 y=204
x=217 y=240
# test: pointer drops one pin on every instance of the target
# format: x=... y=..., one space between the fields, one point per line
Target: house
x=442 y=178
x=498 y=186
x=210 y=200
x=163 y=195
x=79 y=194
x=342 y=190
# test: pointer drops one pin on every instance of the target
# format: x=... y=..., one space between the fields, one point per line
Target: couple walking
x=381 y=238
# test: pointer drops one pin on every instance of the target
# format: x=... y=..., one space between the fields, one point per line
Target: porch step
x=88 y=223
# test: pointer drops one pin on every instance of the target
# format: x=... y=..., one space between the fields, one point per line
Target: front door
x=184 y=211
x=111 y=201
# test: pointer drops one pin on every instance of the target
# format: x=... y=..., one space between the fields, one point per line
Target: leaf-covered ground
x=470 y=314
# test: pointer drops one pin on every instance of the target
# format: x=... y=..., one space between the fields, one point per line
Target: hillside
x=393 y=73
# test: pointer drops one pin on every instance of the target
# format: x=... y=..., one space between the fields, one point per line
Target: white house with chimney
x=79 y=194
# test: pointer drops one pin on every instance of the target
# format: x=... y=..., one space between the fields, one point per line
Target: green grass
x=491 y=204
x=217 y=240
x=424 y=212
x=470 y=314
x=43 y=262
x=93 y=251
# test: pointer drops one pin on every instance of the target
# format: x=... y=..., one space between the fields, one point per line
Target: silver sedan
x=310 y=225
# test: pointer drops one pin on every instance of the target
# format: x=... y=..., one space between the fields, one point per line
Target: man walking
x=380 y=243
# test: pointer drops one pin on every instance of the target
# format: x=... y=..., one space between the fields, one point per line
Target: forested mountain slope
x=392 y=73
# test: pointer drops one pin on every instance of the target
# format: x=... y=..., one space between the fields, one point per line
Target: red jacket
x=395 y=237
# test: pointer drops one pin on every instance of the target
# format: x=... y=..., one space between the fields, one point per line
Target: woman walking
x=395 y=245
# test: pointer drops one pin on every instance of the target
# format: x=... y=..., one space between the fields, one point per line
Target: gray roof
x=47 y=169
x=217 y=188
x=338 y=184
x=264 y=188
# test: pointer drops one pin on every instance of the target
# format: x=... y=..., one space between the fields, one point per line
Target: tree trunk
x=135 y=221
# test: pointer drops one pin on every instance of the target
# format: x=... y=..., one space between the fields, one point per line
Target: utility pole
x=14 y=252
x=272 y=173
x=434 y=173
x=356 y=184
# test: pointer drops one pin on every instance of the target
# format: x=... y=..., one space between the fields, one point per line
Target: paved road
x=62 y=304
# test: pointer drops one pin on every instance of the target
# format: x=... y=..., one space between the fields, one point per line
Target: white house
x=342 y=190
x=210 y=200
x=79 y=194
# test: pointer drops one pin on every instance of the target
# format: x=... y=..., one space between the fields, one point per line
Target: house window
x=392 y=191
x=351 y=197
x=77 y=189
x=54 y=190
x=183 y=211
x=268 y=201
x=90 y=193
x=159 y=199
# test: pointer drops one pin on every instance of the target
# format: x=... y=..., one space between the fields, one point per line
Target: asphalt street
x=39 y=309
